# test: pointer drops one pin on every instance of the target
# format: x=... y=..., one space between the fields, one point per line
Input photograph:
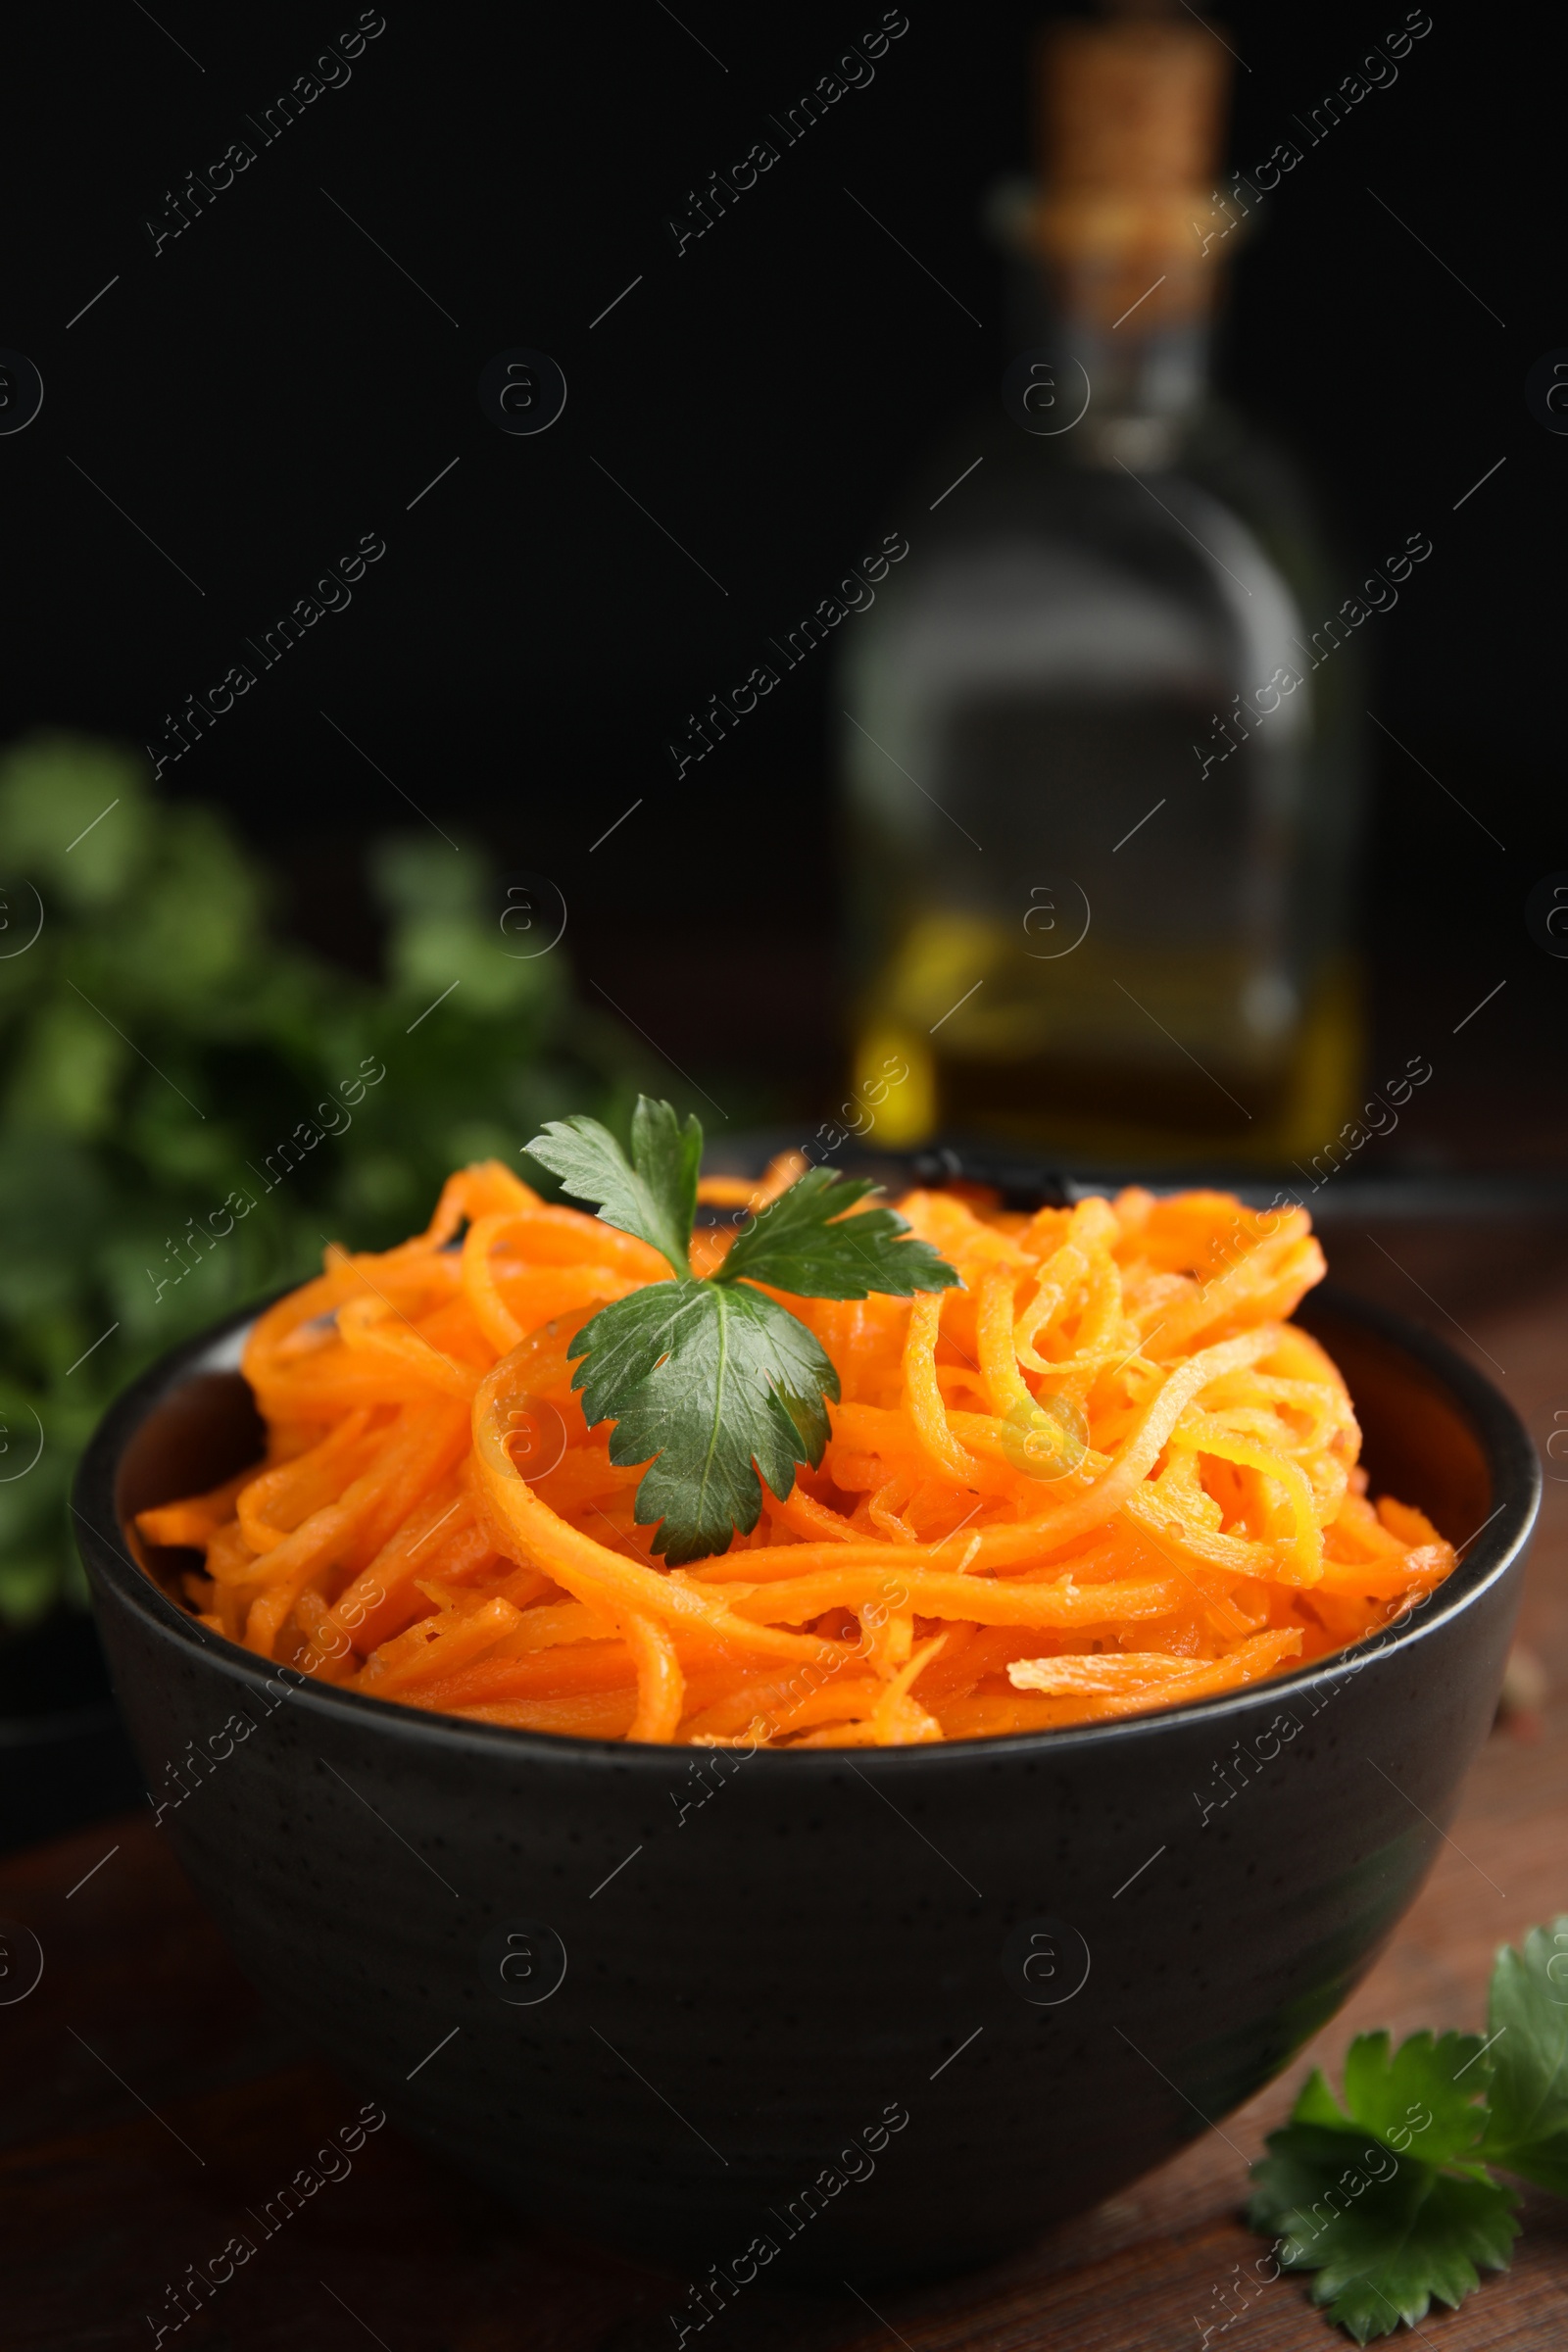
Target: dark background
x=270 y=386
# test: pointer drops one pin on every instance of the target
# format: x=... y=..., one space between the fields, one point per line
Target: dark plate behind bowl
x=64 y=1755
x=890 y=2012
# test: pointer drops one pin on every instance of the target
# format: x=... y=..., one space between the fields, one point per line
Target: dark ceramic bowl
x=886 y=2013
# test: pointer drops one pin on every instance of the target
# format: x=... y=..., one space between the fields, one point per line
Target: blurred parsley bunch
x=166 y=1057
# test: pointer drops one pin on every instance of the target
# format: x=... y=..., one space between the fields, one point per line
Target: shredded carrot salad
x=1104 y=1476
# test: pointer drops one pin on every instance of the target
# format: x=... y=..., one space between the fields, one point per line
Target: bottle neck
x=1144 y=388
x=1144 y=348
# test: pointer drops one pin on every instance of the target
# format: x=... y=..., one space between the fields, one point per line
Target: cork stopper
x=1132 y=118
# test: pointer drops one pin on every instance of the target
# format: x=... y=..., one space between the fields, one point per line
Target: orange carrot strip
x=435 y=1646
x=661 y=1685
x=197 y=1521
x=598 y=1716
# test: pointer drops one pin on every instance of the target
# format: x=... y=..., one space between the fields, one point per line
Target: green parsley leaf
x=707 y=1377
x=1422 y=2098
x=804 y=1242
x=708 y=1380
x=1385 y=2197
x=1385 y=2233
x=1527 y=2132
x=655 y=1196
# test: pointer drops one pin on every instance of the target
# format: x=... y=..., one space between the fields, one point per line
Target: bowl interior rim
x=1510 y=1458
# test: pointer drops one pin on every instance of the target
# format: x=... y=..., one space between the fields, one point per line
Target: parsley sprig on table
x=1389 y=2197
x=708 y=1379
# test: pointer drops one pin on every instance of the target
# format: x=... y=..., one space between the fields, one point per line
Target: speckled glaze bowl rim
x=1505 y=1446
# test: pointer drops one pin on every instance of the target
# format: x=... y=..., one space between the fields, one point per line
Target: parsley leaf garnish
x=1424 y=2092
x=1385 y=2198
x=1527 y=2127
x=654 y=1197
x=804 y=1242
x=708 y=1379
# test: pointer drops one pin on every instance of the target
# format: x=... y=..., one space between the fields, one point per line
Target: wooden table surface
x=146 y=2099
